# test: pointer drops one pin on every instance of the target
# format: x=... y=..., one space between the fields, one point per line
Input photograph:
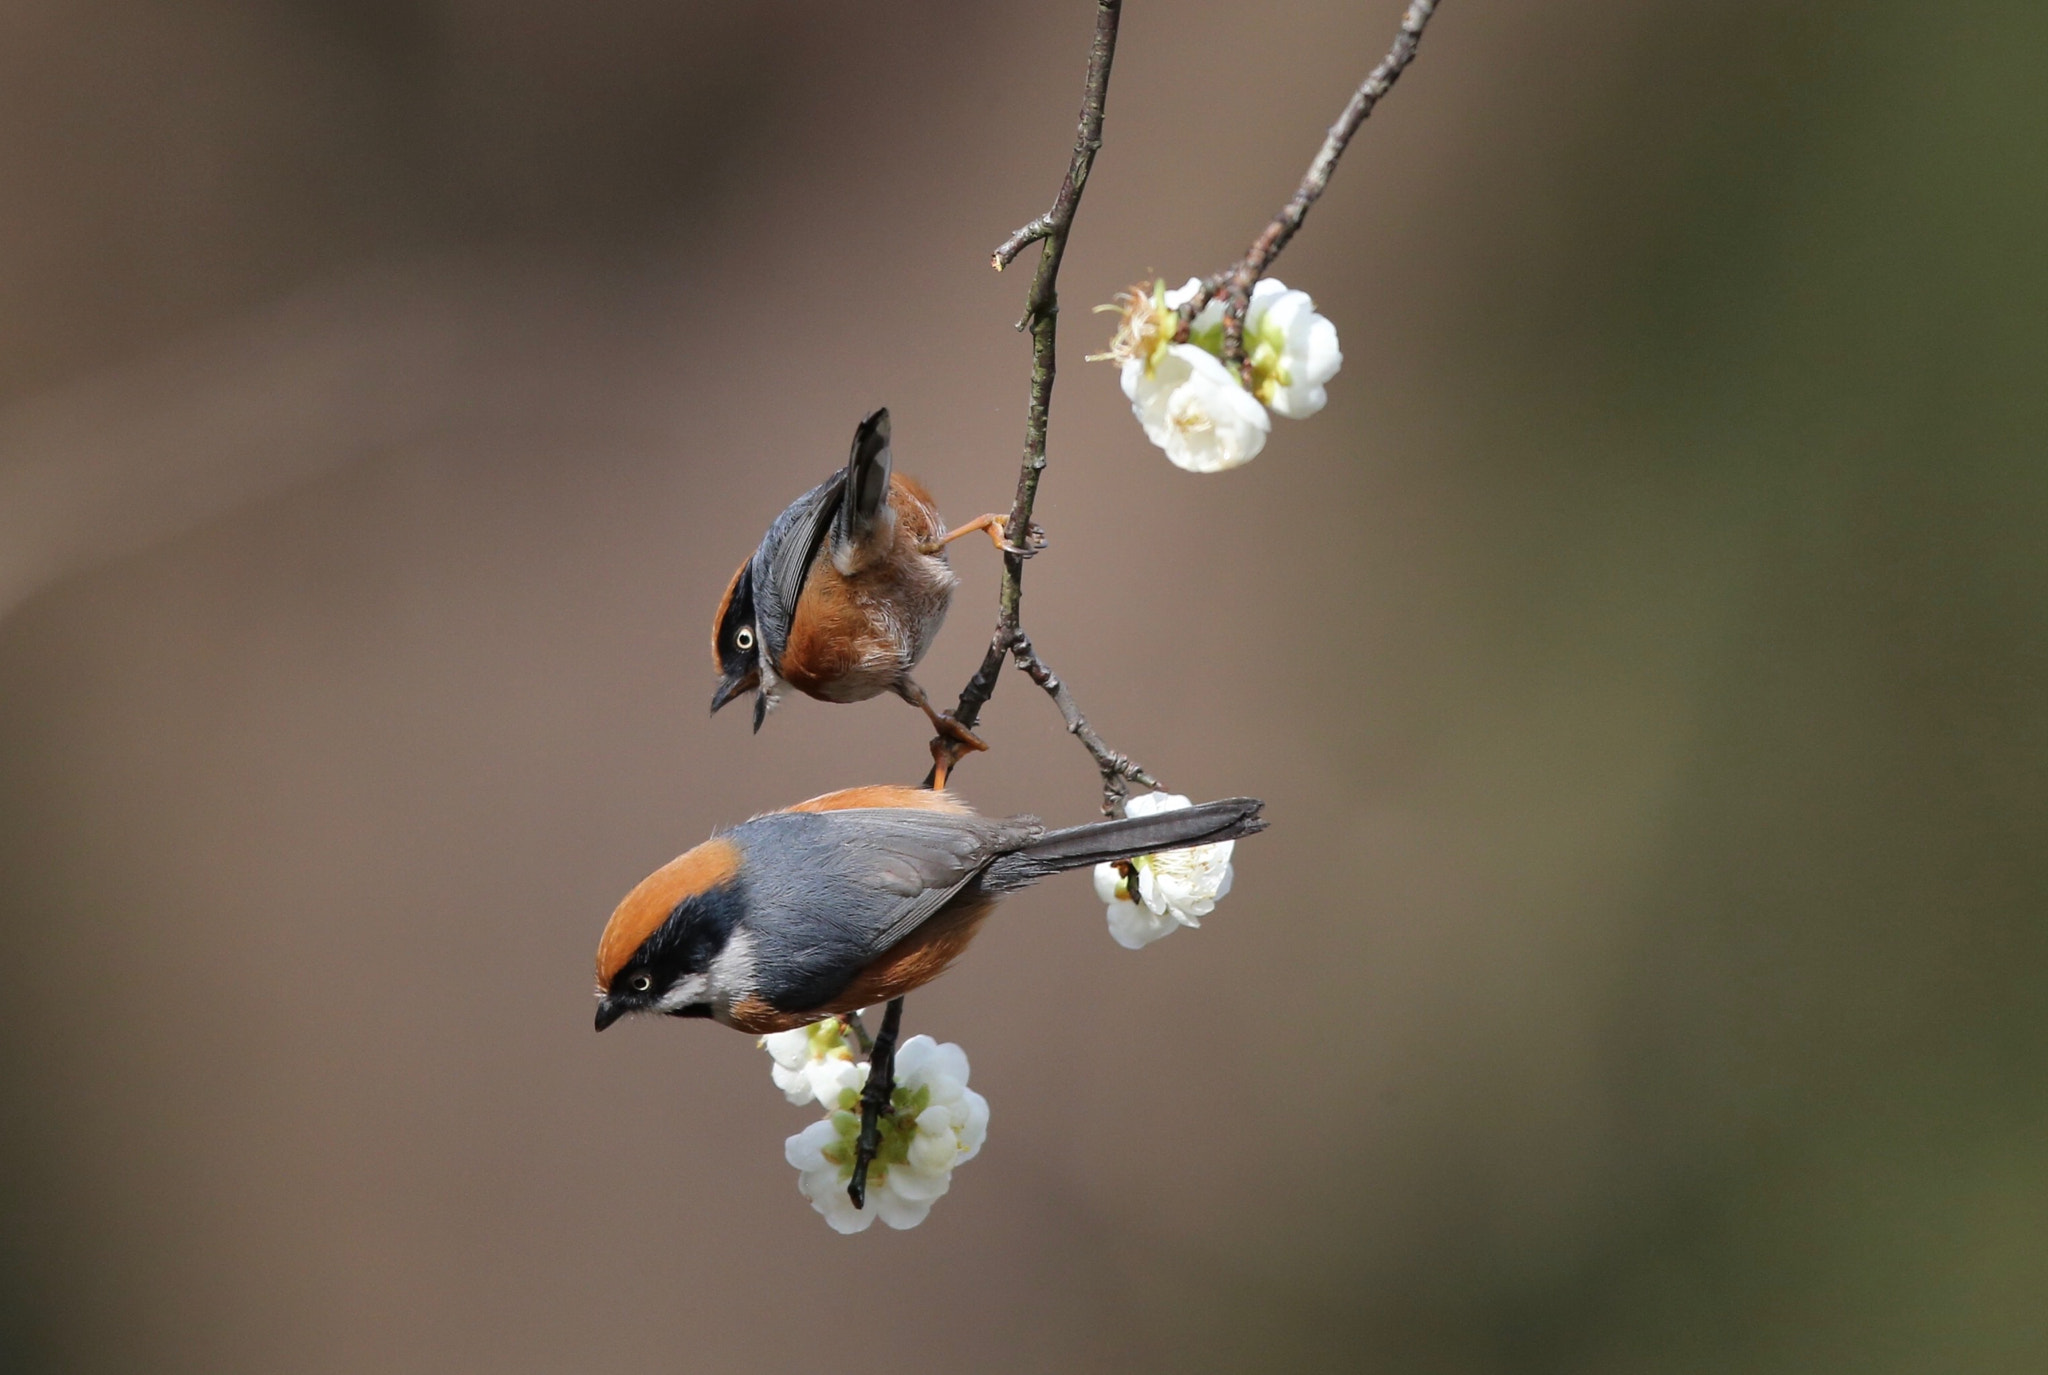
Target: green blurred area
x=1717 y=715
x=1769 y=437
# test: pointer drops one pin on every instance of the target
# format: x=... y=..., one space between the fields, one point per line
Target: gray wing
x=829 y=891
x=784 y=559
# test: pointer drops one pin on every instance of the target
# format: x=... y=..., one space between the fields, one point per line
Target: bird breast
x=856 y=634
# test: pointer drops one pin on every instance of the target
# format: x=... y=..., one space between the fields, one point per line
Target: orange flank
x=755 y=1017
x=918 y=958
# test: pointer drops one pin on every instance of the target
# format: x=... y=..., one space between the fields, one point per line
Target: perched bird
x=846 y=592
x=848 y=900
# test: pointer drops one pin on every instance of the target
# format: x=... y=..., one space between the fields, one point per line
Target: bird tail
x=1106 y=842
x=866 y=493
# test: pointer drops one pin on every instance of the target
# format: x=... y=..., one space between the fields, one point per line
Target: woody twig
x=1233 y=285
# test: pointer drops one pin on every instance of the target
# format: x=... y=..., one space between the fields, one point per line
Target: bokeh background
x=1643 y=659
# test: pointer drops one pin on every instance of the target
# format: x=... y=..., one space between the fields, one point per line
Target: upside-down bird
x=846 y=591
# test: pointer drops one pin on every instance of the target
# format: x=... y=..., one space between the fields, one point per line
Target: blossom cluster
x=1153 y=896
x=935 y=1124
x=1192 y=404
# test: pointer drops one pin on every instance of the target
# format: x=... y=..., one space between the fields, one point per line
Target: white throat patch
x=688 y=991
x=732 y=973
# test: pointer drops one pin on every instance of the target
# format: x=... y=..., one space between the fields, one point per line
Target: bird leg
x=952 y=740
x=950 y=730
x=996 y=526
x=874 y=1102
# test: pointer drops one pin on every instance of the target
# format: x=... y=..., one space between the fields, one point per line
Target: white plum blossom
x=1153 y=896
x=1131 y=925
x=1292 y=350
x=814 y=1063
x=1193 y=408
x=1146 y=322
x=1193 y=405
x=937 y=1123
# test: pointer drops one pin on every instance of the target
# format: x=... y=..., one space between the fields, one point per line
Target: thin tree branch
x=874 y=1101
x=1041 y=318
x=1234 y=284
x=1116 y=768
x=1019 y=241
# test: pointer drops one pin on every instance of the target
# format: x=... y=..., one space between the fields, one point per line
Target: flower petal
x=1321 y=357
x=840 y=1214
x=832 y=1081
x=933 y=1153
x=1152 y=803
x=790 y=1049
x=806 y=1150
x=1134 y=927
x=1109 y=883
x=974 y=1130
x=950 y=1062
x=899 y=1212
x=1132 y=376
x=794 y=1083
x=912 y=1056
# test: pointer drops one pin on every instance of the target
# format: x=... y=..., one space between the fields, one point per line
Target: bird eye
x=642 y=982
x=745 y=639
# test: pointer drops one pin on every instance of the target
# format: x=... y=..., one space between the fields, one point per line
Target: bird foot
x=949 y=726
x=953 y=741
x=1035 y=541
x=996 y=526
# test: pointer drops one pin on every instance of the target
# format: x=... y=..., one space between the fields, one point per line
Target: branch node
x=1006 y=252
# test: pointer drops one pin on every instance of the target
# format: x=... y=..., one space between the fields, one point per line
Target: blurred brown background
x=1642 y=658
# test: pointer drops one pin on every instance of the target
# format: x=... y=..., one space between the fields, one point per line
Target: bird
x=846 y=592
x=848 y=900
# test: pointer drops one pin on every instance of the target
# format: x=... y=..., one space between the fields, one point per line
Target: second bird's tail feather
x=1106 y=842
x=867 y=482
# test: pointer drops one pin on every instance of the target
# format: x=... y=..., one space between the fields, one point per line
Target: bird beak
x=730 y=688
x=608 y=1012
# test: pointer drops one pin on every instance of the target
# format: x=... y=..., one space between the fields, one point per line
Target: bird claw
x=949 y=726
x=953 y=740
x=1035 y=541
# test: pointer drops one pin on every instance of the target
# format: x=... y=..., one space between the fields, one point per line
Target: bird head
x=657 y=951
x=736 y=645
